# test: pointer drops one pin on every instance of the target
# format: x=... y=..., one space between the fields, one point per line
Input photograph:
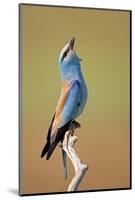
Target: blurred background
x=103 y=43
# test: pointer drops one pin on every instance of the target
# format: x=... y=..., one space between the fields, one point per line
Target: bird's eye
x=65 y=54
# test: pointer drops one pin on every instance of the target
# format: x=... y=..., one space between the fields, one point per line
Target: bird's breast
x=84 y=94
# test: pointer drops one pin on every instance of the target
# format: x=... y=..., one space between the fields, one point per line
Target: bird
x=71 y=103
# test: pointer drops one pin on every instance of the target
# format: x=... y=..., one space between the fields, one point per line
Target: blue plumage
x=71 y=71
x=72 y=100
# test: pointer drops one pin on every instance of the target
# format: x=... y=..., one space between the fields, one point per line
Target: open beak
x=71 y=43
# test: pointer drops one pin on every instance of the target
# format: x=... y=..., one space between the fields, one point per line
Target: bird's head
x=68 y=60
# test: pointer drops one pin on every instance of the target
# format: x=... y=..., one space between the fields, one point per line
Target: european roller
x=71 y=102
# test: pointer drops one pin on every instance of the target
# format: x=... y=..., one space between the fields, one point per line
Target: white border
x=9 y=97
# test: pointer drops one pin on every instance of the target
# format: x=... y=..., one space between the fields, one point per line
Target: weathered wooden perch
x=79 y=168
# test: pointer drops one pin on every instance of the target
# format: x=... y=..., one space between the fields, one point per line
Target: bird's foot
x=60 y=144
x=74 y=125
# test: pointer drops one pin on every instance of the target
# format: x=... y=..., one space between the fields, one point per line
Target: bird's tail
x=50 y=150
x=45 y=149
x=64 y=157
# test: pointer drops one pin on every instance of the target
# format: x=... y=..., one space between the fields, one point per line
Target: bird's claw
x=60 y=144
x=74 y=125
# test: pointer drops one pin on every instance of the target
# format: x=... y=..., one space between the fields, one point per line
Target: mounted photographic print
x=74 y=99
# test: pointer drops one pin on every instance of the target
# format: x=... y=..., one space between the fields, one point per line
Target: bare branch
x=79 y=168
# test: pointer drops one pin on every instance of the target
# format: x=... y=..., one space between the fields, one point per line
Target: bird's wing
x=56 y=120
x=61 y=103
x=65 y=113
x=67 y=107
